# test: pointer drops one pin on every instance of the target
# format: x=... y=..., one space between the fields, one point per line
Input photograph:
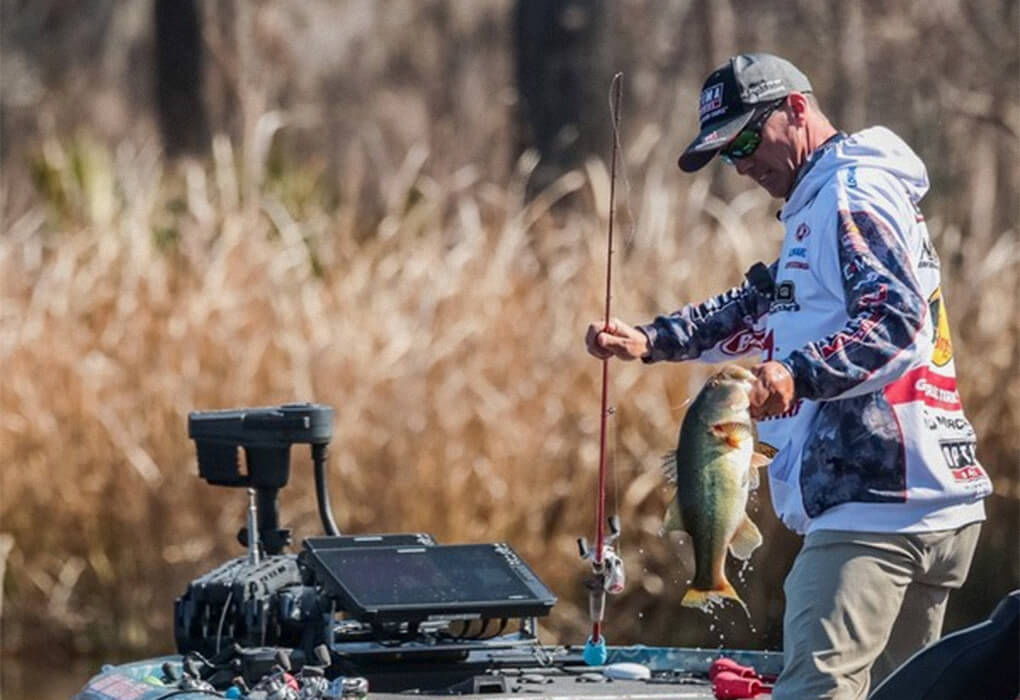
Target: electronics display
x=471 y=581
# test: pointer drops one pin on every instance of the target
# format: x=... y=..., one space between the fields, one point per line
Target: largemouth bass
x=714 y=468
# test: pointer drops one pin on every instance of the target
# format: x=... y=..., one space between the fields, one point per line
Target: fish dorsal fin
x=669 y=467
x=758 y=460
x=732 y=433
x=746 y=539
x=766 y=450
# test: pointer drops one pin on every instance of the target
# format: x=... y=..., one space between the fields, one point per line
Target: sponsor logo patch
x=972 y=473
x=742 y=342
x=711 y=100
x=953 y=423
x=961 y=459
x=765 y=89
x=798 y=252
x=784 y=298
x=934 y=390
x=795 y=265
x=929 y=256
x=943 y=344
x=851 y=176
x=802 y=232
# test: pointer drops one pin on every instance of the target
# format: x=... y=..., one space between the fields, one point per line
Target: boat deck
x=543 y=672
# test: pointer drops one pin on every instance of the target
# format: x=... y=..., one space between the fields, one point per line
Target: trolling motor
x=266 y=436
x=262 y=598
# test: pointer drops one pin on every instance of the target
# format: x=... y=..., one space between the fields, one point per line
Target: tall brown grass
x=449 y=339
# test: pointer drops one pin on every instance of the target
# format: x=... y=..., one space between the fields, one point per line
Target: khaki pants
x=858 y=604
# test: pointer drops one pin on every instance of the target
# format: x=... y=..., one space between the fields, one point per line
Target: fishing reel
x=608 y=574
x=607 y=577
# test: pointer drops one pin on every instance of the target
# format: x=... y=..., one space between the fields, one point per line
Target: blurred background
x=399 y=208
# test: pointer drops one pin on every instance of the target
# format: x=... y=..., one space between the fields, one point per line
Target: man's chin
x=776 y=189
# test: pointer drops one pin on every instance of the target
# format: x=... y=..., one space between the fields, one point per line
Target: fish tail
x=703 y=598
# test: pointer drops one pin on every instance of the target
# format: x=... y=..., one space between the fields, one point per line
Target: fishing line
x=616 y=119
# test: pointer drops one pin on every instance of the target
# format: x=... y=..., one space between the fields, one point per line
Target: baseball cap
x=731 y=97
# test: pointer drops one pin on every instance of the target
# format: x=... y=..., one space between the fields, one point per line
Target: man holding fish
x=854 y=399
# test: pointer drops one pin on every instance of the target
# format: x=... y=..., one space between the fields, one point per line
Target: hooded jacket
x=876 y=439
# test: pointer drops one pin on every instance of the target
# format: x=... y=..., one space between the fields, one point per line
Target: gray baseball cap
x=731 y=97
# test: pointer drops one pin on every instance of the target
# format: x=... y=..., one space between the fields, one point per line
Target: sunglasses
x=747 y=141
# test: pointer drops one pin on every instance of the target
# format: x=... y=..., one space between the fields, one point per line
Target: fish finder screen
x=448 y=577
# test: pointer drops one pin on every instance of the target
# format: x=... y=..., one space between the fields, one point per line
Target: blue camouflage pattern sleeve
x=699 y=331
x=887 y=312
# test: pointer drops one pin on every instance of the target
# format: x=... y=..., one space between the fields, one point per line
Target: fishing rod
x=607 y=566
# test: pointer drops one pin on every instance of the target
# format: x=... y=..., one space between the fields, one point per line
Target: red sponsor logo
x=968 y=473
x=876 y=297
x=742 y=342
x=920 y=384
x=841 y=340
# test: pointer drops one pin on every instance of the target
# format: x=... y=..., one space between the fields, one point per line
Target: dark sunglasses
x=747 y=141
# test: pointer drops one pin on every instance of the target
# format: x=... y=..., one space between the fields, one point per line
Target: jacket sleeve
x=724 y=327
x=886 y=307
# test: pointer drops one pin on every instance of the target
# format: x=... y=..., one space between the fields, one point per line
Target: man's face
x=774 y=164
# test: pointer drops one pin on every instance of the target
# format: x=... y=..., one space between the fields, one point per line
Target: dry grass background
x=447 y=334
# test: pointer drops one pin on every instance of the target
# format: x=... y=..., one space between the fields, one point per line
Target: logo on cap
x=711 y=99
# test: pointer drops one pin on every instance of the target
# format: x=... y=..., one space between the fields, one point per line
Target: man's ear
x=798 y=105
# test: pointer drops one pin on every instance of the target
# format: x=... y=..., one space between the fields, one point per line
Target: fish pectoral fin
x=758 y=460
x=753 y=480
x=673 y=519
x=746 y=539
x=732 y=433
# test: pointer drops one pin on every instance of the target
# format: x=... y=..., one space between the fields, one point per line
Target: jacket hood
x=876 y=147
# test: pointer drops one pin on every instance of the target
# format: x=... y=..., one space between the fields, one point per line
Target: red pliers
x=731 y=681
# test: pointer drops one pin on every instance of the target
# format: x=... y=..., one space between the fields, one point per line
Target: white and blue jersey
x=876 y=439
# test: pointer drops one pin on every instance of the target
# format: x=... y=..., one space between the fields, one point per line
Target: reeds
x=449 y=339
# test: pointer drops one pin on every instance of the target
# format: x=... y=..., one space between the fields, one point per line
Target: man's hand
x=618 y=339
x=772 y=393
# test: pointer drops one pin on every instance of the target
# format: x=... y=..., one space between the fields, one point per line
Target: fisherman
x=856 y=388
